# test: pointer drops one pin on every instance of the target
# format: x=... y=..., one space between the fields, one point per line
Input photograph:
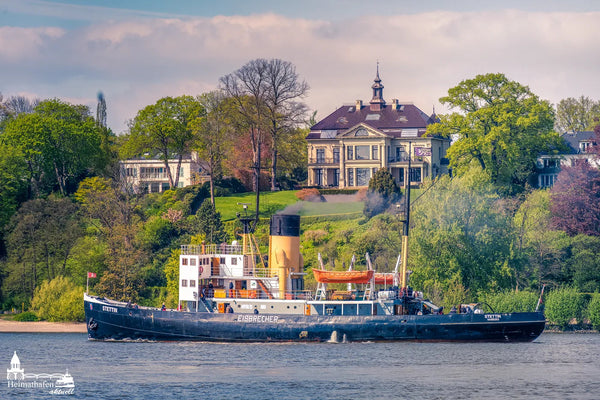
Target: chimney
x=395 y=104
x=358 y=105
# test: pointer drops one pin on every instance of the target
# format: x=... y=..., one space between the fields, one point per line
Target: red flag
x=91 y=274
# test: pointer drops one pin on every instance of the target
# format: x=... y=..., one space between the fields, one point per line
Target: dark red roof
x=401 y=116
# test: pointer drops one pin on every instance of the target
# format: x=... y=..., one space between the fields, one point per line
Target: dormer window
x=585 y=147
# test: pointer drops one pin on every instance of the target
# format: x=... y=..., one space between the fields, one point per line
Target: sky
x=138 y=51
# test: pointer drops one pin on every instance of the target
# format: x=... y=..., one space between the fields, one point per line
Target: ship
x=229 y=292
x=65 y=381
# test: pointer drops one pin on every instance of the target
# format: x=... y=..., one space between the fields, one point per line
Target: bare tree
x=284 y=112
x=248 y=89
x=266 y=94
x=19 y=104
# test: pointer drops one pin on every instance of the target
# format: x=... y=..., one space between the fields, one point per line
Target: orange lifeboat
x=323 y=276
x=382 y=278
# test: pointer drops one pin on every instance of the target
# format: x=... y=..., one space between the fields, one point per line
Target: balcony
x=323 y=160
x=401 y=158
x=153 y=175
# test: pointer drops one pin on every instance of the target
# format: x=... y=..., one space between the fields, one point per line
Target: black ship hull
x=108 y=320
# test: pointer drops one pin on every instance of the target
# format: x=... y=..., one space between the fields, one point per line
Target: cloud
x=18 y=44
x=137 y=61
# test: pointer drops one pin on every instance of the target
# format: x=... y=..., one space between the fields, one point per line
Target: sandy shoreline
x=42 y=326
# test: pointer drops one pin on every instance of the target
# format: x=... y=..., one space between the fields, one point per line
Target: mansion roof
x=390 y=119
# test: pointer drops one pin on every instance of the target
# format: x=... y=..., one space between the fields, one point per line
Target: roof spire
x=377 y=102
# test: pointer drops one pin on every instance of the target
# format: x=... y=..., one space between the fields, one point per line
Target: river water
x=555 y=366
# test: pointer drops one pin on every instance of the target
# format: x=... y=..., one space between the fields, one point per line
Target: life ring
x=200 y=269
x=93 y=325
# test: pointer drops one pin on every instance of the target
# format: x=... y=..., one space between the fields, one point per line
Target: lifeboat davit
x=323 y=276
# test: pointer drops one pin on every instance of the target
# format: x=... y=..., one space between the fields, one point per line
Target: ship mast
x=403 y=280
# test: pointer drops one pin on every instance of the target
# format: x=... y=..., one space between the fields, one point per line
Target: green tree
x=13 y=186
x=501 y=126
x=60 y=143
x=59 y=300
x=213 y=134
x=460 y=235
x=577 y=114
x=115 y=216
x=584 y=263
x=564 y=305
x=209 y=223
x=382 y=192
x=41 y=237
x=543 y=249
x=87 y=255
x=293 y=159
x=164 y=129
x=593 y=311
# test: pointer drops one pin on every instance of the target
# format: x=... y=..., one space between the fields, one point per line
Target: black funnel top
x=285 y=225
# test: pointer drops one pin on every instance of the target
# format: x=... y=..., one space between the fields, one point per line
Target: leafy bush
x=59 y=300
x=512 y=301
x=158 y=232
x=593 y=311
x=563 y=305
x=309 y=195
x=26 y=316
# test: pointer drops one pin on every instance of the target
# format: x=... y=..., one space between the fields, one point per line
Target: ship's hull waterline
x=109 y=320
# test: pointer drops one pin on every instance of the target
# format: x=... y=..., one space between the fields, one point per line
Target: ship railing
x=223 y=248
x=259 y=294
x=299 y=295
x=261 y=272
x=347 y=295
